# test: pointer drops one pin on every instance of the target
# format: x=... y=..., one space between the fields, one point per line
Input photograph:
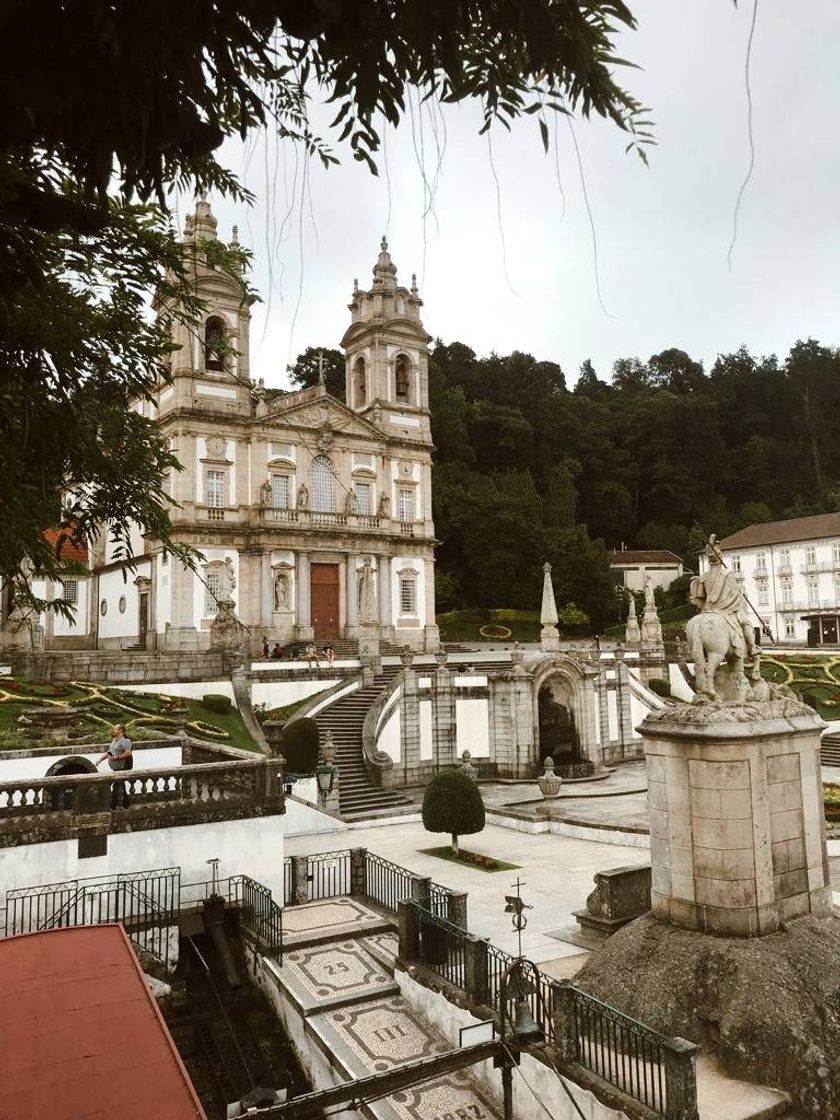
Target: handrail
x=379 y=765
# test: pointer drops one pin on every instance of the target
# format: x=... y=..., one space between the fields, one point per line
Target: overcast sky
x=663 y=231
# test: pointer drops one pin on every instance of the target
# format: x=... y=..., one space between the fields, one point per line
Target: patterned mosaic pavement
x=332 y=918
x=320 y=975
x=376 y=1036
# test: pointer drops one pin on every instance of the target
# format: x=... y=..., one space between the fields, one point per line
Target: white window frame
x=736 y=563
x=281 y=491
x=761 y=563
x=215 y=486
x=322 y=485
x=811 y=555
x=763 y=598
x=212 y=592
x=405 y=503
x=813 y=589
x=364 y=497
x=835 y=552
x=408 y=595
x=790 y=627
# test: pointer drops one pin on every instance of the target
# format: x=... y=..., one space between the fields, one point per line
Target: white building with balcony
x=296 y=500
x=791 y=575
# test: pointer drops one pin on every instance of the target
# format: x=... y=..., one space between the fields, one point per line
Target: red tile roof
x=82 y=1038
x=70 y=550
x=785 y=532
x=660 y=556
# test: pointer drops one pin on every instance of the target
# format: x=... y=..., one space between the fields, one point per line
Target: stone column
x=444 y=727
x=409 y=720
x=352 y=581
x=475 y=970
x=622 y=695
x=736 y=816
x=586 y=717
x=604 y=712
x=303 y=628
x=300 y=879
x=385 y=613
x=266 y=590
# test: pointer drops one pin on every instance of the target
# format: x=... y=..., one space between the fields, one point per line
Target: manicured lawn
x=470 y=859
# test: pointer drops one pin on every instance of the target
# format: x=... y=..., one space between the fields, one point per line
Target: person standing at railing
x=119 y=758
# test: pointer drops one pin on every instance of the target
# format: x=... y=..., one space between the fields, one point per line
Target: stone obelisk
x=549 y=635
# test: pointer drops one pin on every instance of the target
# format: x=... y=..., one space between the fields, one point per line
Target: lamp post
x=326 y=771
x=515 y=987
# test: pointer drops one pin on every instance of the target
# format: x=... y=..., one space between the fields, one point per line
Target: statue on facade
x=351 y=504
x=650 y=600
x=384 y=506
x=230 y=578
x=281 y=591
x=265 y=493
x=721 y=634
x=303 y=496
x=632 y=633
x=651 y=626
x=367 y=594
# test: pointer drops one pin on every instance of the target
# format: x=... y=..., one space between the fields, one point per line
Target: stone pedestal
x=651 y=626
x=736 y=816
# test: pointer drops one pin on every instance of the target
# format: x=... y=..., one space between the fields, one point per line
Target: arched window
x=214 y=340
x=359 y=383
x=402 y=377
x=323 y=485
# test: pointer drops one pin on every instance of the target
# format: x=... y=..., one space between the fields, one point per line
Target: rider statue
x=718 y=590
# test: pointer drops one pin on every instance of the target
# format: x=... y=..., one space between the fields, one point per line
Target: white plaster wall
x=193 y=689
x=425 y=729
x=419 y=567
x=155 y=758
x=680 y=688
x=638 y=711
x=389 y=737
x=163 y=594
x=472 y=729
x=112 y=587
x=78 y=625
x=280 y=693
x=247 y=847
x=305 y=819
x=612 y=709
x=445 y=1017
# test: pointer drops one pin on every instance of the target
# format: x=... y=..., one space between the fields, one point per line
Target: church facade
x=314 y=516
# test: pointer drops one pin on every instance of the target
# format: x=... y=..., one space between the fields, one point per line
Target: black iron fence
x=329 y=875
x=621 y=1050
x=655 y=1071
x=386 y=882
x=146 y=902
x=260 y=915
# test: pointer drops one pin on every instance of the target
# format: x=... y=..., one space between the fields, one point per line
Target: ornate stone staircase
x=358 y=798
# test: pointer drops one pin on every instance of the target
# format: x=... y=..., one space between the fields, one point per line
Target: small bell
x=525 y=1026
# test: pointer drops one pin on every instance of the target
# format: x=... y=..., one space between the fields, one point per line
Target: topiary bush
x=216 y=702
x=583 y=769
x=299 y=745
x=659 y=686
x=452 y=803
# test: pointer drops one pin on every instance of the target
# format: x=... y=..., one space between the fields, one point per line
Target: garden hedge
x=452 y=803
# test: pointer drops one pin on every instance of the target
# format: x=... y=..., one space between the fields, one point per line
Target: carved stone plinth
x=736 y=816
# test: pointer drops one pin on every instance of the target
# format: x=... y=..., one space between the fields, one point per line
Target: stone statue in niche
x=367 y=594
x=351 y=504
x=303 y=496
x=384 y=506
x=265 y=493
x=281 y=591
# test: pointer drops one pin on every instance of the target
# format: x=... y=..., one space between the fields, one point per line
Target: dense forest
x=528 y=470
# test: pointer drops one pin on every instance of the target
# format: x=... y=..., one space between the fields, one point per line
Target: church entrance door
x=323 y=586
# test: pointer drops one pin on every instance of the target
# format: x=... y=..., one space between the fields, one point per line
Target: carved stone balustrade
x=39 y=809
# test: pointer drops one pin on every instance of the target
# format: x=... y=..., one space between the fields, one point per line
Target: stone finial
x=383 y=244
x=234 y=237
x=407 y=656
x=467 y=766
x=440 y=656
x=328 y=747
x=414 y=283
x=385 y=271
x=202 y=225
x=355 y=284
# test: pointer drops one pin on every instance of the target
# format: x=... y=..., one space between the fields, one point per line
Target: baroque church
x=314 y=517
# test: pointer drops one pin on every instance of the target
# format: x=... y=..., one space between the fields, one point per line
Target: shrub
x=299 y=745
x=583 y=769
x=659 y=686
x=216 y=702
x=452 y=803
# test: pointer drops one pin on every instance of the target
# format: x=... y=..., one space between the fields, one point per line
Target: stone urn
x=548 y=781
x=468 y=767
x=179 y=715
x=53 y=723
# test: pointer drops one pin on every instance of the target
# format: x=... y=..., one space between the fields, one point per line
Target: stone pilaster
x=303 y=629
x=444 y=722
x=409 y=720
x=352 y=596
x=386 y=624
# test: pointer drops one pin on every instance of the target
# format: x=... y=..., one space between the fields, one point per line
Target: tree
x=299 y=745
x=306 y=371
x=145 y=114
x=452 y=803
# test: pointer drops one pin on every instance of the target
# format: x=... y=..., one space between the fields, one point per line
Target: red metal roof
x=81 y=1037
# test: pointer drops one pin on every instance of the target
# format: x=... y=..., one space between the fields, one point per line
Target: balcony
x=821 y=566
x=316 y=520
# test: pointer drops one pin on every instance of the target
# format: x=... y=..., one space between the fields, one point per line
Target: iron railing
x=260 y=915
x=439 y=900
x=621 y=1050
x=387 y=883
x=442 y=947
x=146 y=902
x=540 y=1000
x=329 y=875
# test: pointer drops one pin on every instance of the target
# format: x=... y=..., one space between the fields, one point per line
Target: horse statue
x=721 y=635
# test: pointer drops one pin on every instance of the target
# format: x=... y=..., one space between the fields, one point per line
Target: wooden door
x=143 y=619
x=323 y=590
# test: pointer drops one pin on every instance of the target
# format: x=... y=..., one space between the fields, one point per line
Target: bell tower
x=386 y=348
x=210 y=367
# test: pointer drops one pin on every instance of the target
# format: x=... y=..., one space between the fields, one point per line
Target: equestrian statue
x=721 y=638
